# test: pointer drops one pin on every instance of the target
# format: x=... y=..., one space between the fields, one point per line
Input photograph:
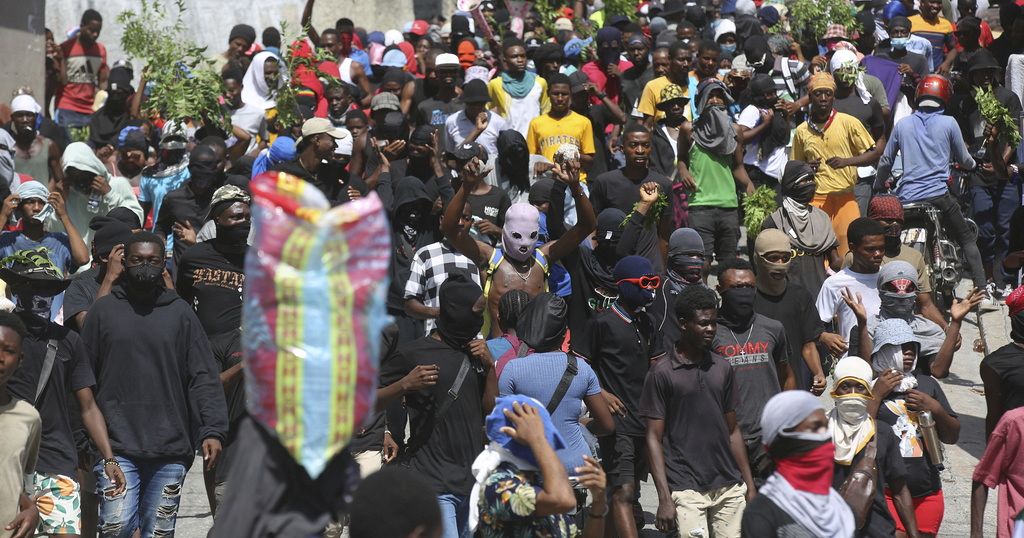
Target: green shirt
x=713 y=175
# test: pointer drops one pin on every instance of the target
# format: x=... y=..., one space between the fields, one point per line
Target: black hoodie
x=156 y=379
x=408 y=190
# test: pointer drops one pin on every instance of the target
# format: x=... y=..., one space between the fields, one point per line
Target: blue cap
x=497 y=420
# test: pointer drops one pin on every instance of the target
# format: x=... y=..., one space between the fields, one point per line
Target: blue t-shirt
x=152 y=189
x=537 y=376
x=58 y=249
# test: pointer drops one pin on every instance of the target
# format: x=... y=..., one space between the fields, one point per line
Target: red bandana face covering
x=809 y=471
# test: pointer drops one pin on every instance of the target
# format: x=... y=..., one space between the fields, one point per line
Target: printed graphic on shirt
x=556 y=141
x=905 y=429
x=231 y=280
x=745 y=355
x=83 y=69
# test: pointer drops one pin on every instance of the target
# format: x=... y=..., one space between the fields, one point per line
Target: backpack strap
x=571 y=369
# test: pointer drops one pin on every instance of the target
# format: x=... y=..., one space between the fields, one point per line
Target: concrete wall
x=22 y=44
x=209 y=21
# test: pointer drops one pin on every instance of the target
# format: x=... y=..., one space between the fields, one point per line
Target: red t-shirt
x=1002 y=466
x=84 y=65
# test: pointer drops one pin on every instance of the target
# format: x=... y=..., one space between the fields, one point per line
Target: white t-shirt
x=775 y=162
x=522 y=110
x=830 y=302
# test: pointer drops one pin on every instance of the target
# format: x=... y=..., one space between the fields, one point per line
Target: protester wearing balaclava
x=809 y=229
x=771 y=276
x=598 y=264
x=636 y=281
x=897 y=291
x=852 y=426
x=519 y=235
x=759 y=55
x=605 y=71
x=459 y=320
x=685 y=260
x=801 y=485
x=34 y=282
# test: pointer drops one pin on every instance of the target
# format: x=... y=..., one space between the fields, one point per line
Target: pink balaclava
x=519 y=236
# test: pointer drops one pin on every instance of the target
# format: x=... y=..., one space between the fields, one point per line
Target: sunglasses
x=645 y=282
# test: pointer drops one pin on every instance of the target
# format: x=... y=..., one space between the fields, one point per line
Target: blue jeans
x=454 y=515
x=149 y=502
x=992 y=207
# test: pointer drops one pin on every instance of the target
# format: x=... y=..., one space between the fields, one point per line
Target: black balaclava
x=795 y=184
x=458 y=323
x=737 y=307
x=204 y=176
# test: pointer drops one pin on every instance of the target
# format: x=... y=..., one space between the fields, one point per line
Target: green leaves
x=997 y=116
x=757 y=207
x=184 y=84
x=816 y=16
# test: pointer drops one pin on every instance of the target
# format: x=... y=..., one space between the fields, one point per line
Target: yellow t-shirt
x=651 y=95
x=845 y=137
x=546 y=134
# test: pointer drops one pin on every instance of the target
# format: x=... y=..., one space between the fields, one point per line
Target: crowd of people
x=559 y=195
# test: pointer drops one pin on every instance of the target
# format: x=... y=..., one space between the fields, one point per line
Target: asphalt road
x=963 y=388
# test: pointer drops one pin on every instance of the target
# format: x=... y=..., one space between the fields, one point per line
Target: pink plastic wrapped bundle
x=316 y=280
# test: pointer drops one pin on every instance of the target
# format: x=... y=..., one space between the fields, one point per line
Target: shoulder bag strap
x=571 y=369
x=44 y=374
x=453 y=393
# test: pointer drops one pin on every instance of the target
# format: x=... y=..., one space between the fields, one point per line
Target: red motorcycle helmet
x=935 y=87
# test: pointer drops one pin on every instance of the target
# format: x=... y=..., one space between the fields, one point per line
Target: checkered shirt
x=431 y=266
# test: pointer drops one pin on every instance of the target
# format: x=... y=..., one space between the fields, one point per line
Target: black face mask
x=738 y=304
x=145 y=276
x=203 y=177
x=802 y=192
x=235 y=235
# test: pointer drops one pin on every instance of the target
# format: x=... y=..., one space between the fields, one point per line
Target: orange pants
x=842 y=207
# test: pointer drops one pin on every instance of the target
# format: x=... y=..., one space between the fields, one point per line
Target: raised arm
x=307 y=22
x=586 y=221
x=471 y=248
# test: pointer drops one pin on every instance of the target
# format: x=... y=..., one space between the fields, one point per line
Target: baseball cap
x=475 y=91
x=344 y=144
x=393 y=58
x=563 y=24
x=315 y=126
x=419 y=27
x=671 y=93
x=447 y=59
x=468 y=150
x=577 y=80
x=385 y=101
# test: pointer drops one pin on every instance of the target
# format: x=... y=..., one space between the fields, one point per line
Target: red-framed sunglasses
x=645 y=282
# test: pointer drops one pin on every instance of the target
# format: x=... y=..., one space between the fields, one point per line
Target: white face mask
x=852 y=409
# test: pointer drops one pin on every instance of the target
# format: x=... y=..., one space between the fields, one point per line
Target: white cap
x=446 y=59
x=25 y=103
x=344 y=143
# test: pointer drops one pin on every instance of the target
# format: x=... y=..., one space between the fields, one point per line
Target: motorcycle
x=923 y=230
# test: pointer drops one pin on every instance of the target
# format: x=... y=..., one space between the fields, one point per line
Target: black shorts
x=624 y=458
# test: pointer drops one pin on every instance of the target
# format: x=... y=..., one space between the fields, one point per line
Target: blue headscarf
x=283 y=149
x=497 y=420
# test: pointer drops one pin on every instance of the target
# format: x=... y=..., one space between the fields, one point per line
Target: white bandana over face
x=519 y=236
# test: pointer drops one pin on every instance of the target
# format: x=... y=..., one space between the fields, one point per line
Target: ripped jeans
x=149 y=503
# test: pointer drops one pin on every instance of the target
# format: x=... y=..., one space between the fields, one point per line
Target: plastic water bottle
x=94 y=202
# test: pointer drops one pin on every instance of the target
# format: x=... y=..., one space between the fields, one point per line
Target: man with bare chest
x=517 y=263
